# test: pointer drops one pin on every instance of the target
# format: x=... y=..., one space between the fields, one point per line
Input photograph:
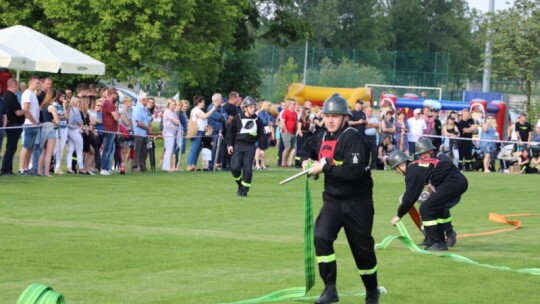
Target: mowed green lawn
x=187 y=238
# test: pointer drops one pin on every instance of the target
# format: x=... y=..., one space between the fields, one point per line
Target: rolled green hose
x=40 y=294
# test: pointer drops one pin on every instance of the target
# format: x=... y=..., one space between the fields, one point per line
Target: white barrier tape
x=22 y=127
x=481 y=140
x=86 y=128
x=162 y=136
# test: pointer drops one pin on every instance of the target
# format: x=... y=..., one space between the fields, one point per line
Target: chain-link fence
x=355 y=68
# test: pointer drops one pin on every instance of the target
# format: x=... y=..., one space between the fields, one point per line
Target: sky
x=483 y=5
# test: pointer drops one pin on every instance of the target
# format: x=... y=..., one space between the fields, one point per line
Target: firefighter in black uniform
x=245 y=131
x=348 y=201
x=445 y=182
x=426 y=150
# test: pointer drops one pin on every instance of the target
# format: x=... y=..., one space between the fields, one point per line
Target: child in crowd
x=524 y=162
x=384 y=149
x=207 y=144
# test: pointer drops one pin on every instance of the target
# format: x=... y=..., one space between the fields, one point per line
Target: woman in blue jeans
x=201 y=118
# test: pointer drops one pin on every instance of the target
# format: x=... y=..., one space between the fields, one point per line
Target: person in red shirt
x=288 y=122
x=110 y=127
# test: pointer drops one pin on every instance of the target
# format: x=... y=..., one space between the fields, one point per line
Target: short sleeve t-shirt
x=109 y=124
x=465 y=124
x=200 y=122
x=31 y=98
x=12 y=105
x=168 y=126
x=416 y=127
x=523 y=130
x=356 y=116
x=291 y=120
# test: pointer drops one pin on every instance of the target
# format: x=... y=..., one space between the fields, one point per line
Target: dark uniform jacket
x=347 y=177
x=246 y=130
x=432 y=171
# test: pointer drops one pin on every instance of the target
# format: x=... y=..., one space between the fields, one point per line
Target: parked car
x=123 y=93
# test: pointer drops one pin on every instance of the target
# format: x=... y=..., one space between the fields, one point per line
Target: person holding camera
x=487 y=140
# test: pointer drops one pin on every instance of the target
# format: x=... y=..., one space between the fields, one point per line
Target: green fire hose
x=40 y=294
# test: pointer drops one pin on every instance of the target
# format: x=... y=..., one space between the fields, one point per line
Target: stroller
x=506 y=158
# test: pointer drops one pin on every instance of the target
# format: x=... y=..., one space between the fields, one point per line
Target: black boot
x=329 y=295
x=436 y=235
x=451 y=238
x=426 y=242
x=243 y=191
x=439 y=246
x=372 y=296
x=451 y=235
x=239 y=183
x=328 y=272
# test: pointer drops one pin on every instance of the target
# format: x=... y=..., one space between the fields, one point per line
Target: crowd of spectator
x=93 y=133
x=471 y=140
x=99 y=133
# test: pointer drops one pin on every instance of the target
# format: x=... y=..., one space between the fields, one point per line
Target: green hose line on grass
x=406 y=239
x=309 y=260
x=40 y=294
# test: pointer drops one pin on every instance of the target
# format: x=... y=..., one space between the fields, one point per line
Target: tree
x=346 y=74
x=516 y=45
x=361 y=25
x=240 y=73
x=283 y=24
x=139 y=36
x=286 y=75
x=322 y=16
x=433 y=26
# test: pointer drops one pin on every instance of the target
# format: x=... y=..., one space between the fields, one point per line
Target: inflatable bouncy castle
x=317 y=95
x=478 y=107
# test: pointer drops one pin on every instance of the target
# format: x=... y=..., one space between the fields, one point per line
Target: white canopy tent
x=11 y=59
x=47 y=54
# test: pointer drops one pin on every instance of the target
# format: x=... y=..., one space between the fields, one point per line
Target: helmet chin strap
x=343 y=122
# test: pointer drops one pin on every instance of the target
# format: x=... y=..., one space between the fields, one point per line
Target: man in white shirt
x=417 y=125
x=31 y=105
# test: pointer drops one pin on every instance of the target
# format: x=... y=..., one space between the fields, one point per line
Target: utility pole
x=487 y=53
x=305 y=62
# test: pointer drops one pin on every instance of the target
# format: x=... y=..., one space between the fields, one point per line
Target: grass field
x=187 y=238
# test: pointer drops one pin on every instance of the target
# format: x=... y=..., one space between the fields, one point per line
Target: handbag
x=192 y=129
x=123 y=133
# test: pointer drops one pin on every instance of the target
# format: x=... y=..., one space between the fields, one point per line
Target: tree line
x=204 y=45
